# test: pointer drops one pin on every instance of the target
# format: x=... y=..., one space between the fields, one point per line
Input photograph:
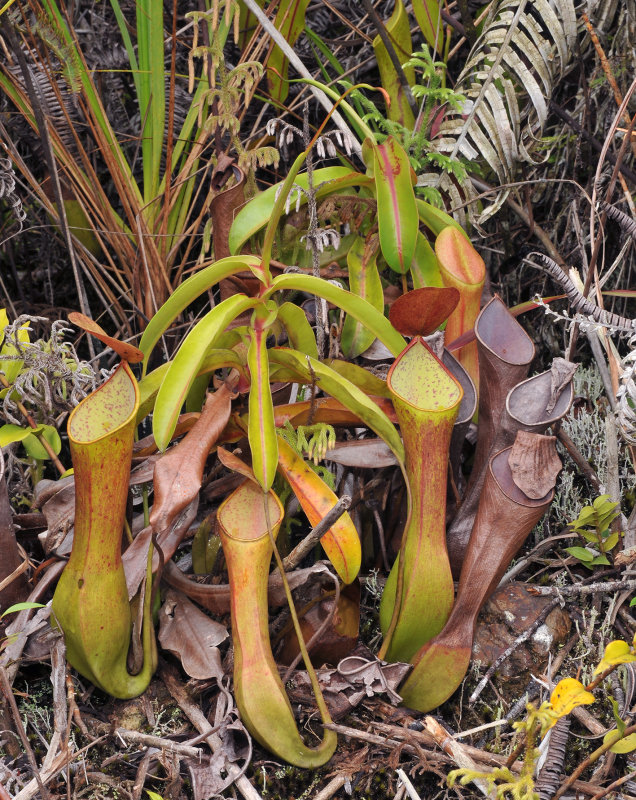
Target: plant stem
x=325 y=716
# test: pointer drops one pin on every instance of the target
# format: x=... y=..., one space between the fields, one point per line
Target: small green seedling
x=14 y=610
x=593 y=525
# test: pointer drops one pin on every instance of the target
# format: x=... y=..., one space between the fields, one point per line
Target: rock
x=509 y=612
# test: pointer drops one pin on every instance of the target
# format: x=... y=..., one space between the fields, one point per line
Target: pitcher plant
x=418 y=595
x=91 y=603
x=507 y=513
x=248 y=524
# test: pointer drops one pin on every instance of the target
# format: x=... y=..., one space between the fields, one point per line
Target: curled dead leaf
x=179 y=472
x=534 y=464
x=192 y=636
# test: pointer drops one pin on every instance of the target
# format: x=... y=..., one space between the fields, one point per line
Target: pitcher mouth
x=242 y=515
x=107 y=409
x=498 y=331
x=527 y=401
x=419 y=379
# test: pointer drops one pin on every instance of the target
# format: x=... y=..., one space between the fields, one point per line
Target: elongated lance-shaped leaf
x=261 y=429
x=152 y=95
x=255 y=215
x=186 y=364
x=369 y=383
x=360 y=126
x=343 y=390
x=399 y=31
x=398 y=219
x=428 y=16
x=341 y=543
x=358 y=307
x=364 y=281
x=188 y=291
x=150 y=384
x=277 y=213
x=425 y=267
x=290 y=21
x=434 y=218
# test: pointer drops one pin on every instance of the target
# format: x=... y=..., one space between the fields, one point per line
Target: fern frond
x=524 y=49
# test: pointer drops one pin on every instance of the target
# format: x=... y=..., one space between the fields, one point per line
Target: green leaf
x=359 y=308
x=611 y=541
x=369 y=383
x=343 y=390
x=398 y=219
x=255 y=215
x=301 y=336
x=196 y=395
x=326 y=53
x=152 y=92
x=188 y=291
x=186 y=364
x=580 y=552
x=626 y=745
x=290 y=21
x=434 y=218
x=399 y=31
x=35 y=449
x=261 y=426
x=620 y=723
x=11 y=433
x=364 y=281
x=587 y=516
x=20 y=607
x=599 y=560
x=11 y=368
x=428 y=16
x=616 y=652
x=425 y=267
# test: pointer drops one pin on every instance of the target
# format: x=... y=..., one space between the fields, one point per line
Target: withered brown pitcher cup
x=506 y=515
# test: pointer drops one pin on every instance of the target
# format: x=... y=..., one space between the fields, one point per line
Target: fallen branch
x=601 y=587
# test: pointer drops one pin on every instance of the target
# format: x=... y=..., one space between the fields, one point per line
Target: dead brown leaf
x=192 y=636
x=178 y=473
x=136 y=555
x=354 y=679
x=534 y=464
x=369 y=453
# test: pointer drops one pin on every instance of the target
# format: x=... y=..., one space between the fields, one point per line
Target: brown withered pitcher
x=505 y=352
x=532 y=405
x=506 y=515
